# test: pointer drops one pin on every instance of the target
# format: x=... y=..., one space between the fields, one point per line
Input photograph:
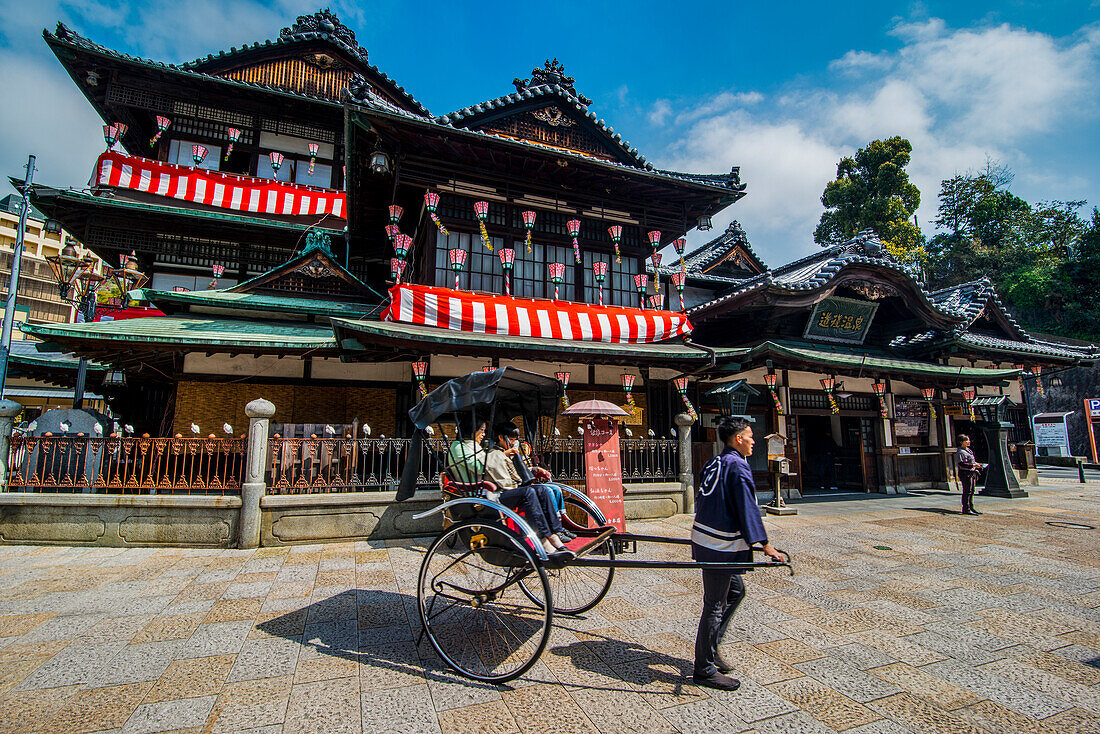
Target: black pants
x=537 y=509
x=722 y=592
x=969 y=482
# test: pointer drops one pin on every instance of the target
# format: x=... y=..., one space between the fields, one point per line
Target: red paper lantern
x=162 y=125
x=313 y=148
x=397 y=267
x=616 y=232
x=420 y=369
x=402 y=243
x=557 y=274
x=396 y=212
x=654 y=238
x=431 y=201
x=234 y=135
x=628 y=381
x=458 y=262
x=770 y=380
x=198 y=154
x=507 y=261
x=276 y=160
x=563 y=378
x=392 y=230
x=481 y=209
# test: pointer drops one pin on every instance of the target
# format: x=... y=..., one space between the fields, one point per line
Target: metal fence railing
x=126 y=465
x=643 y=459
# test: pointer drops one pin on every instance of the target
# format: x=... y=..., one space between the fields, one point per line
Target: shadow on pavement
x=934 y=510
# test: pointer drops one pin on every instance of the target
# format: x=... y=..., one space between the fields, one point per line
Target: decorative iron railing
x=643 y=459
x=126 y=465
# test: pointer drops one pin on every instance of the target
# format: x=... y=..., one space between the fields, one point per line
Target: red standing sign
x=604 y=469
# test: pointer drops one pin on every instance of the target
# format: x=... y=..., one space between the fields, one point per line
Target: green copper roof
x=364 y=336
x=257 y=302
x=869 y=362
x=195 y=331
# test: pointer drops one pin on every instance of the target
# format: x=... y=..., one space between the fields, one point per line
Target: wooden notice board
x=604 y=469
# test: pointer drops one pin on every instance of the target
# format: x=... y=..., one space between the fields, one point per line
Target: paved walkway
x=904 y=617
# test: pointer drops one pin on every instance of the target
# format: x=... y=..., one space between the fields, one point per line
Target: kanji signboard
x=841 y=320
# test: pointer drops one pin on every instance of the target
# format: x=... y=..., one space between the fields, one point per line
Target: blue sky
x=781 y=89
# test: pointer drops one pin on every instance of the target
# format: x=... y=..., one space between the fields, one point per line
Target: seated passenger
x=508 y=439
x=468 y=462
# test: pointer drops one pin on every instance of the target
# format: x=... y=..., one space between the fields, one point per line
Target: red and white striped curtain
x=225 y=190
x=490 y=314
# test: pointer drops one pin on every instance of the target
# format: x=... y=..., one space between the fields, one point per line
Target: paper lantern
x=641 y=283
x=395 y=212
x=771 y=380
x=682 y=387
x=599 y=272
x=616 y=232
x=218 y=270
x=969 y=396
x=234 y=135
x=573 y=226
x=276 y=160
x=507 y=261
x=112 y=133
x=656 y=301
x=198 y=154
x=828 y=384
x=397 y=267
x=557 y=275
x=313 y=148
x=431 y=201
x=392 y=230
x=563 y=378
x=481 y=209
x=420 y=373
x=162 y=125
x=655 y=258
x=879 y=388
x=402 y=243
x=458 y=262
x=654 y=238
x=929 y=394
x=1037 y=370
x=529 y=226
x=628 y=388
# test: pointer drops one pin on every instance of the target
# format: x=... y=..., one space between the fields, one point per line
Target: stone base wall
x=119 y=520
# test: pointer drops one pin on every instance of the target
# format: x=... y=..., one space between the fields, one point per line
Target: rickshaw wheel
x=575 y=590
x=477 y=616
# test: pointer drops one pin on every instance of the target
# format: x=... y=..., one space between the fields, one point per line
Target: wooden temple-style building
x=315 y=236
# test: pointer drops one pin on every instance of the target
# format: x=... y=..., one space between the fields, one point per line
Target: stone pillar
x=687 y=478
x=8 y=410
x=260 y=413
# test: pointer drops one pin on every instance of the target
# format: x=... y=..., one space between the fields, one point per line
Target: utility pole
x=13 y=282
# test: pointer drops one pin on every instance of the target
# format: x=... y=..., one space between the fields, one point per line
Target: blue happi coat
x=727 y=517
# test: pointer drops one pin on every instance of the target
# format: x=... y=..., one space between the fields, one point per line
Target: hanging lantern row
x=574 y=228
x=392 y=230
x=528 y=226
x=557 y=275
x=682 y=388
x=770 y=381
x=313 y=148
x=198 y=154
x=507 y=260
x=420 y=374
x=616 y=232
x=828 y=384
x=1020 y=378
x=599 y=272
x=162 y=125
x=628 y=388
x=431 y=201
x=234 y=135
x=678 y=282
x=481 y=209
x=563 y=378
x=879 y=388
x=458 y=262
x=1037 y=370
x=969 y=396
x=276 y=160
x=113 y=133
x=929 y=394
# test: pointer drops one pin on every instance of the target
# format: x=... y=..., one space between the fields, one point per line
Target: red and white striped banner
x=491 y=314
x=213 y=188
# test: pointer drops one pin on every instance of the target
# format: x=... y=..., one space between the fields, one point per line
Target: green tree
x=872 y=191
x=1082 y=272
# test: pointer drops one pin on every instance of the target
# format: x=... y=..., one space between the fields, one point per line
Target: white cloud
x=959 y=96
x=659 y=112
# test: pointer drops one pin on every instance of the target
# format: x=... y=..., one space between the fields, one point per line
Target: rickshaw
x=487 y=591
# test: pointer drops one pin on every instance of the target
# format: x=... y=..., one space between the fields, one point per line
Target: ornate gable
x=313 y=274
x=546 y=109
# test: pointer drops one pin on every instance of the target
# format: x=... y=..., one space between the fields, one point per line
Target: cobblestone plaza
x=903 y=617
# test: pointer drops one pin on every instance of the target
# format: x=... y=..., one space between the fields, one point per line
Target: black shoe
x=974 y=512
x=719 y=681
x=969 y=512
x=566 y=536
x=722 y=665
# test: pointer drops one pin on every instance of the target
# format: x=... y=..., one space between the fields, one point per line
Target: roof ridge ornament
x=552 y=73
x=323 y=21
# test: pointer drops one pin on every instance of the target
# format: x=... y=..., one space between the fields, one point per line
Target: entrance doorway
x=837 y=454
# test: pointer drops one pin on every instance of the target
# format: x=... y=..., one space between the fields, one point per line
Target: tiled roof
x=225 y=299
x=69 y=37
x=560 y=94
x=971 y=298
x=704 y=257
x=363 y=97
x=817 y=270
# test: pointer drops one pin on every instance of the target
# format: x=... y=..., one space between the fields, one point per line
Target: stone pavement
x=903 y=617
